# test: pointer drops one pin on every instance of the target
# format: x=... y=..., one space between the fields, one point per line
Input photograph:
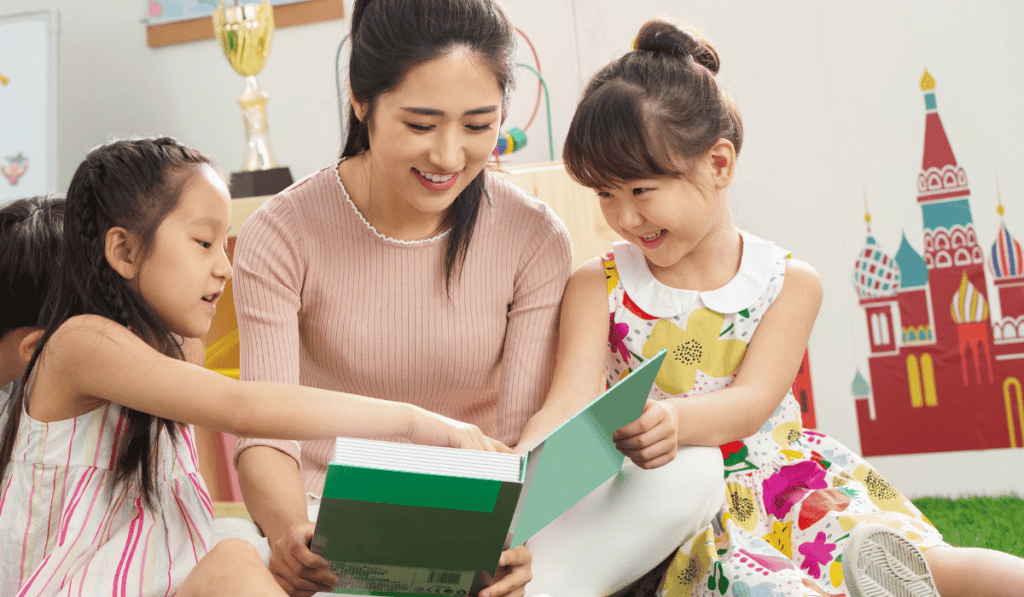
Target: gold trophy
x=246 y=33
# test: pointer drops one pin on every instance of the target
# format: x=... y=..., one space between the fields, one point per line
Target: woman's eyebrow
x=437 y=112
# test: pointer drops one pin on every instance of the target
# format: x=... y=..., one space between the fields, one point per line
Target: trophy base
x=258 y=183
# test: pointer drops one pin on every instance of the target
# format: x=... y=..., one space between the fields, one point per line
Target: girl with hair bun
x=657 y=137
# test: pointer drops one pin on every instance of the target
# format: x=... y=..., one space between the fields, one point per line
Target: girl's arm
x=767 y=372
x=582 y=349
x=91 y=360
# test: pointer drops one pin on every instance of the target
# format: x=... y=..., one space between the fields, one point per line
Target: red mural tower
x=944 y=375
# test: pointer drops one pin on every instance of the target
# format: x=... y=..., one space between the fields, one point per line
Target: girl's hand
x=437 y=430
x=512 y=575
x=652 y=440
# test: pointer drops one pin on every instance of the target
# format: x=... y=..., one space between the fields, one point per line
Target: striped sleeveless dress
x=65 y=530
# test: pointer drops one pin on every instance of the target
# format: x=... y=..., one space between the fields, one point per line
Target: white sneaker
x=879 y=562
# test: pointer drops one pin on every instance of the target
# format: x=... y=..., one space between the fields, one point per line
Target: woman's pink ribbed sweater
x=323 y=300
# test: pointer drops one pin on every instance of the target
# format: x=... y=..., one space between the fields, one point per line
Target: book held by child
x=405 y=519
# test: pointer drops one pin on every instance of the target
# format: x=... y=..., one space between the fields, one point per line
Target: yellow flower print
x=884 y=495
x=687 y=570
x=697 y=347
x=787 y=433
x=611 y=274
x=781 y=537
x=742 y=506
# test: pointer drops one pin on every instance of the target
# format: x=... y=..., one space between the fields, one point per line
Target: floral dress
x=792 y=495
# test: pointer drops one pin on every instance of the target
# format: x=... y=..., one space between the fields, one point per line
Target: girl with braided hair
x=100 y=492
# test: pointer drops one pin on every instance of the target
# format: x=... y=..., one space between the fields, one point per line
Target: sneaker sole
x=879 y=562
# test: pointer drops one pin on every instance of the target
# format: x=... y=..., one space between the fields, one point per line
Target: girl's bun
x=662 y=37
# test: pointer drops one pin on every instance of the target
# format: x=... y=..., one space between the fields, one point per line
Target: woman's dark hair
x=392 y=37
x=651 y=108
x=30 y=234
x=133 y=184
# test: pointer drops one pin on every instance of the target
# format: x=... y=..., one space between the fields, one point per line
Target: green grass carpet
x=994 y=523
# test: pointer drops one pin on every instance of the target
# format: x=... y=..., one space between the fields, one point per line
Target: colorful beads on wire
x=509 y=141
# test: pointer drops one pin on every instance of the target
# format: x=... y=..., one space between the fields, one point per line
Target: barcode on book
x=383 y=578
x=445 y=577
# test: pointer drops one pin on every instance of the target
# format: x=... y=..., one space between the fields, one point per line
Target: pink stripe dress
x=65 y=529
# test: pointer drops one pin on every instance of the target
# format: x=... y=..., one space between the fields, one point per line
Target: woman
x=405 y=271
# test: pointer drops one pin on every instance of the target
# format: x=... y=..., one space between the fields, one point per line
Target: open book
x=405 y=519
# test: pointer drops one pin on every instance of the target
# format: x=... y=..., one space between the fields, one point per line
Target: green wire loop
x=547 y=105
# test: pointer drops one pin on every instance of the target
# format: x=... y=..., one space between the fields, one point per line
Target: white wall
x=829 y=95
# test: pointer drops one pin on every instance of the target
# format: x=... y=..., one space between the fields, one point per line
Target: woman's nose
x=448 y=153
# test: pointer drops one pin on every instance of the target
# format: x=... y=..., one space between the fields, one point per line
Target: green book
x=405 y=519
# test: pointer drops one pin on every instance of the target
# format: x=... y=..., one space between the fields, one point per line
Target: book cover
x=404 y=519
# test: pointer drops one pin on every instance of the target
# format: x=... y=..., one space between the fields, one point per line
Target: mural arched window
x=883 y=323
x=914 y=379
x=876 y=334
x=928 y=380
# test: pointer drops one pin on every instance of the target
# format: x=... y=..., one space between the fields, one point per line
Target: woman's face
x=432 y=135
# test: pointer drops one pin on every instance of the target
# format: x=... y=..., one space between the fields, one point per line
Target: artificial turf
x=995 y=523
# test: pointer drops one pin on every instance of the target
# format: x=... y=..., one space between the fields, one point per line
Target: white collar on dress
x=660 y=300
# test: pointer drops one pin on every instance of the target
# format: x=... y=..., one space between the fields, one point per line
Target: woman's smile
x=437 y=182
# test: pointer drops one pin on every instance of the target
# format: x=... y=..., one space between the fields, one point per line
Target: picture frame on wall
x=178 y=21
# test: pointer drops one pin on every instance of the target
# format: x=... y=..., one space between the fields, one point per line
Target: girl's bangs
x=610 y=141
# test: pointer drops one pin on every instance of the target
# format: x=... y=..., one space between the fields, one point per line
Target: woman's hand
x=512 y=575
x=652 y=440
x=437 y=430
x=299 y=571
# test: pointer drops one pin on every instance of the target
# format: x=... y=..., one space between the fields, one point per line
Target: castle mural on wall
x=944 y=372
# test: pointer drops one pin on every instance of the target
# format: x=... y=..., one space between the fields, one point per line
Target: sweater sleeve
x=267 y=284
x=531 y=334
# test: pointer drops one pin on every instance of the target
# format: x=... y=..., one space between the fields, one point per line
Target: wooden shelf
x=286 y=15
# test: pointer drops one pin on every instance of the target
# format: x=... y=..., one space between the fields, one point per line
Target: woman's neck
x=374 y=196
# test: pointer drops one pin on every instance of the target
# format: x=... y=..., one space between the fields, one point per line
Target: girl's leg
x=627 y=526
x=233 y=567
x=961 y=571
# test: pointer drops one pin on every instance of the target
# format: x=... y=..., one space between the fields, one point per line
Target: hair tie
x=632 y=46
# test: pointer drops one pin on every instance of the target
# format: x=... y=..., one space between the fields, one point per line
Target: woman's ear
x=122 y=252
x=723 y=163
x=358 y=106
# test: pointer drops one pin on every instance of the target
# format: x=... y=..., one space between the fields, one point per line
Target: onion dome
x=913 y=270
x=860 y=387
x=968 y=305
x=1006 y=252
x=875 y=274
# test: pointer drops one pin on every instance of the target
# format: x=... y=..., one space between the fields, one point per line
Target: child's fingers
x=650 y=418
x=653 y=455
x=500 y=447
x=650 y=437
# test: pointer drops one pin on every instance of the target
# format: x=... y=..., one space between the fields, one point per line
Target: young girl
x=657 y=137
x=100 y=490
